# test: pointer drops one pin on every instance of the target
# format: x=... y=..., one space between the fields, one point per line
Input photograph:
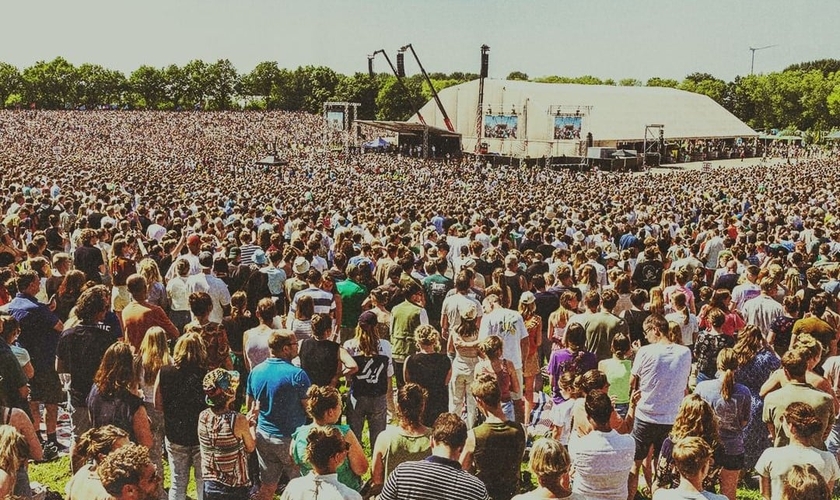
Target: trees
x=50 y=84
x=517 y=75
x=149 y=84
x=96 y=85
x=359 y=88
x=10 y=81
x=395 y=103
x=221 y=84
x=662 y=82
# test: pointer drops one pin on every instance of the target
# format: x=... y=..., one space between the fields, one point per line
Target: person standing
x=139 y=315
x=179 y=394
x=207 y=282
x=439 y=476
x=39 y=334
x=405 y=318
x=80 y=350
x=225 y=438
x=509 y=326
x=277 y=389
x=495 y=448
x=602 y=459
x=660 y=371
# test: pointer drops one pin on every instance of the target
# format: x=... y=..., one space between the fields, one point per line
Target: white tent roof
x=614 y=113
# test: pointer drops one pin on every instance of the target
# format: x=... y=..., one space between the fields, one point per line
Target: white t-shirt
x=677 y=494
x=663 y=371
x=561 y=416
x=687 y=330
x=777 y=462
x=602 y=462
x=509 y=326
x=216 y=288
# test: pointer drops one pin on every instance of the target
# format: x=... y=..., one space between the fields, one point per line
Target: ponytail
x=727 y=362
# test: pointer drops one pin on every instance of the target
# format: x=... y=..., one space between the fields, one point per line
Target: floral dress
x=752 y=375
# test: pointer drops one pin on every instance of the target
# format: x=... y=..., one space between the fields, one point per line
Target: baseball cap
x=368 y=318
x=527 y=298
x=205 y=260
x=233 y=252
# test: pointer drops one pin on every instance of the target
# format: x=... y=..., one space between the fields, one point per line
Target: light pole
x=752 y=58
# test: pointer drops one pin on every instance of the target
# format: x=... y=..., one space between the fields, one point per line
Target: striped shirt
x=324 y=301
x=223 y=456
x=435 y=478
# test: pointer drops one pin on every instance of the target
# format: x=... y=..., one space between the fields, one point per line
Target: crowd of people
x=384 y=326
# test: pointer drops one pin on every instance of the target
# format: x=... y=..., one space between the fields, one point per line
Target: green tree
x=629 y=82
x=706 y=84
x=50 y=85
x=517 y=75
x=662 y=82
x=97 y=85
x=10 y=81
x=395 y=103
x=359 y=88
x=825 y=66
x=149 y=84
x=312 y=86
x=177 y=84
x=261 y=79
x=196 y=78
x=221 y=83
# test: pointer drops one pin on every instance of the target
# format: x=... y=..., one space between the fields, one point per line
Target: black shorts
x=729 y=462
x=46 y=387
x=647 y=434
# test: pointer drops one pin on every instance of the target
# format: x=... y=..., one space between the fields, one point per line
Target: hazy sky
x=608 y=39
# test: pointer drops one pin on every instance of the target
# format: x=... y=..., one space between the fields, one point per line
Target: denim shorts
x=646 y=434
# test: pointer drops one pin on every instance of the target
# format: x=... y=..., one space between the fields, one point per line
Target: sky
x=608 y=39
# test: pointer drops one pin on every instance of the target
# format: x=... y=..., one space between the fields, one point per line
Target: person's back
x=603 y=458
x=498 y=453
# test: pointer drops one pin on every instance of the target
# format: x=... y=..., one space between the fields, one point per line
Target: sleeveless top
x=499 y=447
x=344 y=473
x=503 y=377
x=515 y=290
x=117 y=409
x=404 y=448
x=319 y=359
x=223 y=456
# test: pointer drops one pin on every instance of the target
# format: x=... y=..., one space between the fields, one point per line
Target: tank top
x=223 y=456
x=319 y=359
x=515 y=290
x=498 y=452
x=617 y=372
x=405 y=448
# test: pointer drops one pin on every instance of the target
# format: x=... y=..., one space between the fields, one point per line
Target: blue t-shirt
x=279 y=386
x=37 y=330
x=730 y=412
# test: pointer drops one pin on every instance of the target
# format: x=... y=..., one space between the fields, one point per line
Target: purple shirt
x=563 y=361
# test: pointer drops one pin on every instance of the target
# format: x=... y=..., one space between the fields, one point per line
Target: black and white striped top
x=435 y=478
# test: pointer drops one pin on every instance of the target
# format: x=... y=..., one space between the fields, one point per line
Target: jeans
x=214 y=490
x=370 y=408
x=181 y=458
x=832 y=444
x=156 y=451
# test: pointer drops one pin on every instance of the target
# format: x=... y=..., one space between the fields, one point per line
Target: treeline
x=58 y=84
x=803 y=97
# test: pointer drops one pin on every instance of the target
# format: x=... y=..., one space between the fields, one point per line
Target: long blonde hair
x=695 y=418
x=148 y=268
x=368 y=341
x=13 y=450
x=153 y=354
